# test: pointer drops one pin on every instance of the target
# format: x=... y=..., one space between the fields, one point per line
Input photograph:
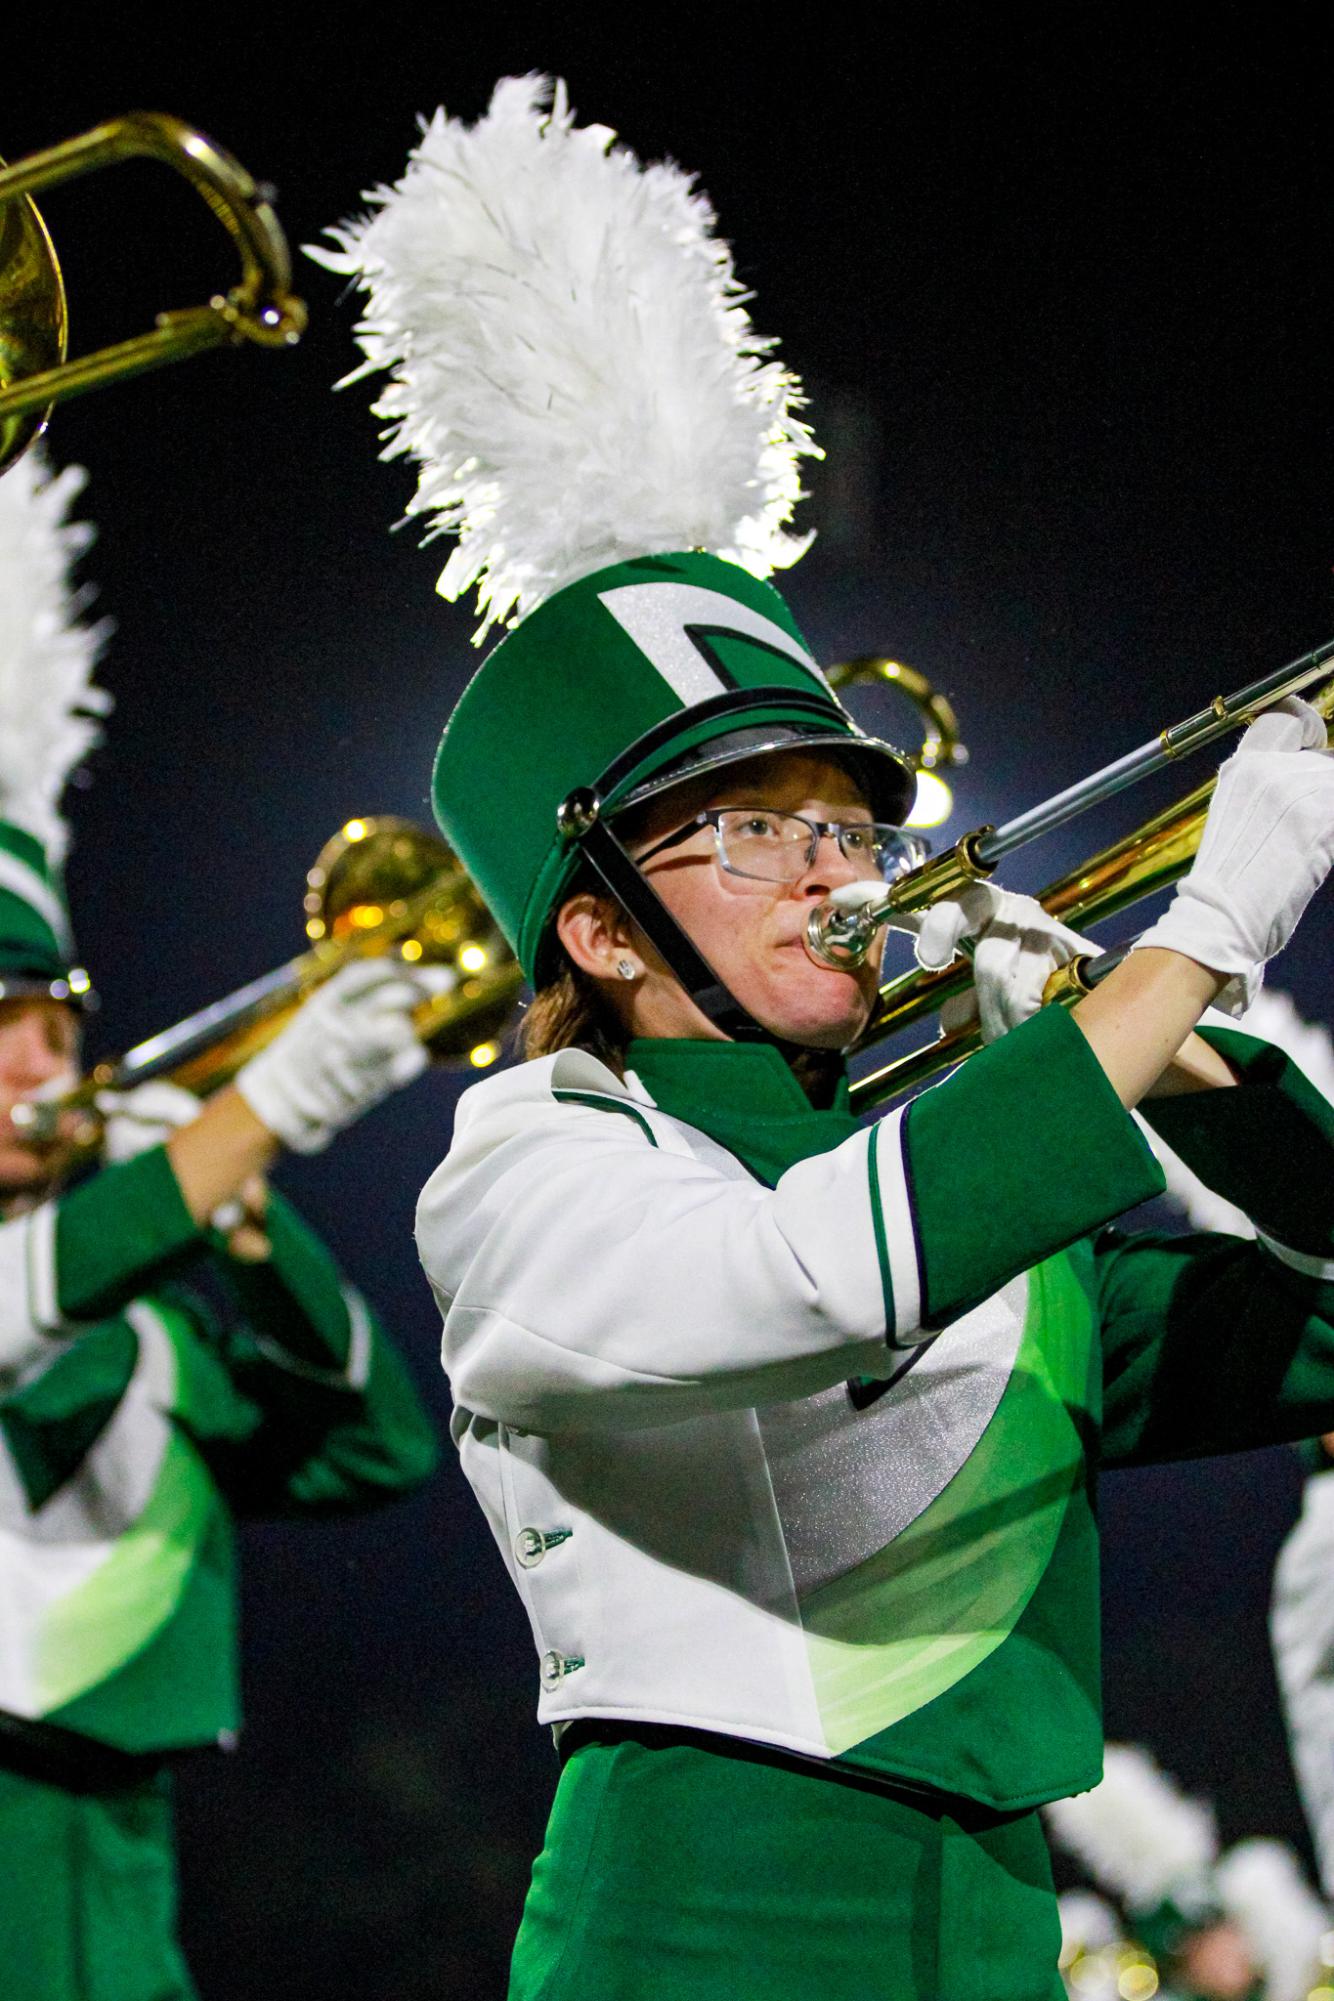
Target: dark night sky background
x=1059 y=282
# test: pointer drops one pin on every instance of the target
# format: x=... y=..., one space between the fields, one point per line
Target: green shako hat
x=572 y=367
x=48 y=706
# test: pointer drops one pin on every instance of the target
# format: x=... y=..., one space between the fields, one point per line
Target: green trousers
x=88 y=1894
x=673 y=1872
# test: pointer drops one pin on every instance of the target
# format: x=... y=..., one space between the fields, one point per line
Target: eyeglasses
x=780 y=847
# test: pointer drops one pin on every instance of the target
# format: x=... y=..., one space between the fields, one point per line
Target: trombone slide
x=841 y=937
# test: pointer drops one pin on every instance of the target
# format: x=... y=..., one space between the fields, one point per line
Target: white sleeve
x=1302 y=1630
x=29 y=1313
x=590 y=1277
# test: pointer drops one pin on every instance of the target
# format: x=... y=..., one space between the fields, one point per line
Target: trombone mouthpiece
x=839 y=931
x=35 y=1122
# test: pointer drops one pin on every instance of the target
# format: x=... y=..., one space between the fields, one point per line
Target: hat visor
x=885 y=774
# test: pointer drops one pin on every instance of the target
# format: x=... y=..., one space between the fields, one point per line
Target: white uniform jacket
x=654 y=1359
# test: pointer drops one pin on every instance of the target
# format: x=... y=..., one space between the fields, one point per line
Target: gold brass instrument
x=385 y=884
x=378 y=885
x=940 y=747
x=841 y=930
x=1155 y=855
x=34 y=372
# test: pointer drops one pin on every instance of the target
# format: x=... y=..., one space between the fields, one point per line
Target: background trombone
x=34 y=319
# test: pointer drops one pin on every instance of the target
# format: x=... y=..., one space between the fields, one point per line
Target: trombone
x=34 y=321
x=379 y=885
x=1153 y=856
x=383 y=884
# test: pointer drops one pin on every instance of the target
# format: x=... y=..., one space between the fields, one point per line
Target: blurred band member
x=1235 y=1925
x=177 y=1349
x=1302 y=1627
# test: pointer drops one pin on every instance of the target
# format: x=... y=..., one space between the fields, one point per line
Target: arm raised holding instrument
x=349 y=1046
x=1267 y=846
x=1211 y=1343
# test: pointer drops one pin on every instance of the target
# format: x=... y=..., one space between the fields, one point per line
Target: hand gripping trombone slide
x=1153 y=856
x=380 y=885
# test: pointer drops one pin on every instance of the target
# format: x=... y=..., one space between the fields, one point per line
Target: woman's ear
x=595 y=933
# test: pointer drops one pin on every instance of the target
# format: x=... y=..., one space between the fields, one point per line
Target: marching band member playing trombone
x=177 y=1348
x=788 y=1431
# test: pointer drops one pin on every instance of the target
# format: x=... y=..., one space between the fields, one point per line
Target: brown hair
x=569 y=1012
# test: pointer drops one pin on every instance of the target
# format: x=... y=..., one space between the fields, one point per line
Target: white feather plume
x=1272 y=1017
x=1088 y=1923
x=571 y=363
x=47 y=698
x=1263 y=1890
x=1136 y=1833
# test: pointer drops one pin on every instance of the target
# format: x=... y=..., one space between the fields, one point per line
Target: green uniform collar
x=743 y=1095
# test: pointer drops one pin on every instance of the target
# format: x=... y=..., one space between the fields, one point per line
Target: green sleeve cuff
x=1267 y=1145
x=115 y=1233
x=296 y=1299
x=1024 y=1149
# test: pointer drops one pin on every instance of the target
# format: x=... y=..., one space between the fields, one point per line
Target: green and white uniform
x=786 y=1430
x=151 y=1390
x=789 y=1432
x=139 y=1415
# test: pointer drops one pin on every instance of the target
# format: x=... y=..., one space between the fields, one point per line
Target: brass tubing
x=205 y=1051
x=836 y=937
x=261 y=308
x=843 y=937
x=406 y=892
x=940 y=743
x=214 y=173
x=1154 y=856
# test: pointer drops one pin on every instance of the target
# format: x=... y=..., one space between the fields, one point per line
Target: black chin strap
x=581 y=821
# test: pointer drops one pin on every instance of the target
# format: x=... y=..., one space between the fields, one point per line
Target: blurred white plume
x=1088 y=1923
x=1136 y=1833
x=47 y=698
x=571 y=364
x=1262 y=1888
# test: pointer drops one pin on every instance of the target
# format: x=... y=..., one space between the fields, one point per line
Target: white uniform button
x=554 y=1667
x=531 y=1545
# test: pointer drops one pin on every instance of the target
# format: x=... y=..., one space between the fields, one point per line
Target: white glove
x=1268 y=844
x=144 y=1116
x=1016 y=950
x=349 y=1046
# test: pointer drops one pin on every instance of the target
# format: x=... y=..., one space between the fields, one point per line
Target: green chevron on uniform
x=625 y=670
x=35 y=940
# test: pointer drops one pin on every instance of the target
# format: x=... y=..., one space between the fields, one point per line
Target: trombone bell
x=34 y=325
x=368 y=878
